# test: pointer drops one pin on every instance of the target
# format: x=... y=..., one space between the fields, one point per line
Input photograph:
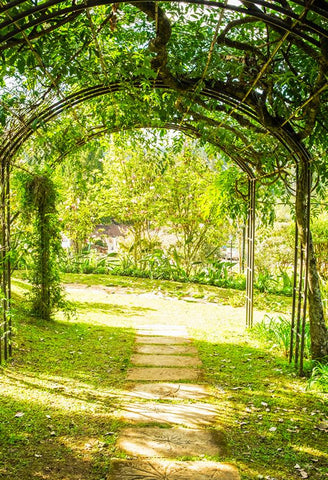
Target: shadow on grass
x=40 y=440
x=57 y=399
x=272 y=423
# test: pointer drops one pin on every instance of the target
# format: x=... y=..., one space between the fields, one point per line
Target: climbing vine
x=38 y=202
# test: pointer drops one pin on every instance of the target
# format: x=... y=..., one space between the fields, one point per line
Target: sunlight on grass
x=60 y=393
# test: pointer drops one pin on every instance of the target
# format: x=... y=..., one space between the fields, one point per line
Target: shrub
x=319 y=377
x=277 y=331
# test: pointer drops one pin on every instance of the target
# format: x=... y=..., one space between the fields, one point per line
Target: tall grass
x=319 y=377
x=277 y=331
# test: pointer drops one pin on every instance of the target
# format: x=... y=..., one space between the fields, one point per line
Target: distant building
x=110 y=236
x=66 y=242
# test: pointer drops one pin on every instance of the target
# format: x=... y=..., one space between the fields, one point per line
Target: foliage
x=130 y=178
x=276 y=330
x=77 y=179
x=190 y=205
x=319 y=229
x=88 y=263
x=274 y=248
x=319 y=377
x=220 y=273
x=38 y=201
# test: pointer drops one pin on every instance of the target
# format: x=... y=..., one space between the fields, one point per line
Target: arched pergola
x=212 y=69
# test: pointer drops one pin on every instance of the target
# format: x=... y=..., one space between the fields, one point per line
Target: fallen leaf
x=323 y=426
x=303 y=474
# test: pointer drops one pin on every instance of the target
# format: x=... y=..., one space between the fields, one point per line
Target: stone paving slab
x=168 y=391
x=170 y=442
x=161 y=340
x=156 y=374
x=166 y=349
x=165 y=360
x=168 y=470
x=190 y=415
x=164 y=331
x=161 y=326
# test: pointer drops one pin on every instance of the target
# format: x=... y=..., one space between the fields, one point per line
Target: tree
x=130 y=180
x=190 y=208
x=78 y=178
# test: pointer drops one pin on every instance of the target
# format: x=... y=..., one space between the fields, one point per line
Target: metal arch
x=254 y=12
x=23 y=132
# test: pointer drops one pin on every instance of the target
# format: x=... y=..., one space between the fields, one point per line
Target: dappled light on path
x=192 y=429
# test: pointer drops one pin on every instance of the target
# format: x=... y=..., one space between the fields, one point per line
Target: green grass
x=272 y=422
x=225 y=296
x=59 y=393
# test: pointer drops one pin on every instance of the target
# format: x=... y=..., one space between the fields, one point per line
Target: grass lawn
x=66 y=379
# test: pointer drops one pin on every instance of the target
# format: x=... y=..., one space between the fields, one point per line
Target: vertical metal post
x=292 y=327
x=299 y=306
x=301 y=276
x=3 y=325
x=250 y=251
x=8 y=262
x=243 y=248
x=5 y=322
x=306 y=273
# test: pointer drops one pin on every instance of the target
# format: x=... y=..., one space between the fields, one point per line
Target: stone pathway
x=163 y=432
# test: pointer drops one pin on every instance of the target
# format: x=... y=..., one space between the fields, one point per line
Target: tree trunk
x=318 y=329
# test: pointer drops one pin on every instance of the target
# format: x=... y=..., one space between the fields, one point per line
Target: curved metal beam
x=185 y=128
x=79 y=8
x=24 y=132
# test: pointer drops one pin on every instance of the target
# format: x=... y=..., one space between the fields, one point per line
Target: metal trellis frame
x=301 y=280
x=5 y=318
x=250 y=251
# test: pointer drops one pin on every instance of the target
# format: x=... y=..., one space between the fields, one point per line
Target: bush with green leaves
x=277 y=331
x=89 y=262
x=319 y=377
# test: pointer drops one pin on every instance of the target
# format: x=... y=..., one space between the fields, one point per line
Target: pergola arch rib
x=28 y=126
x=76 y=9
